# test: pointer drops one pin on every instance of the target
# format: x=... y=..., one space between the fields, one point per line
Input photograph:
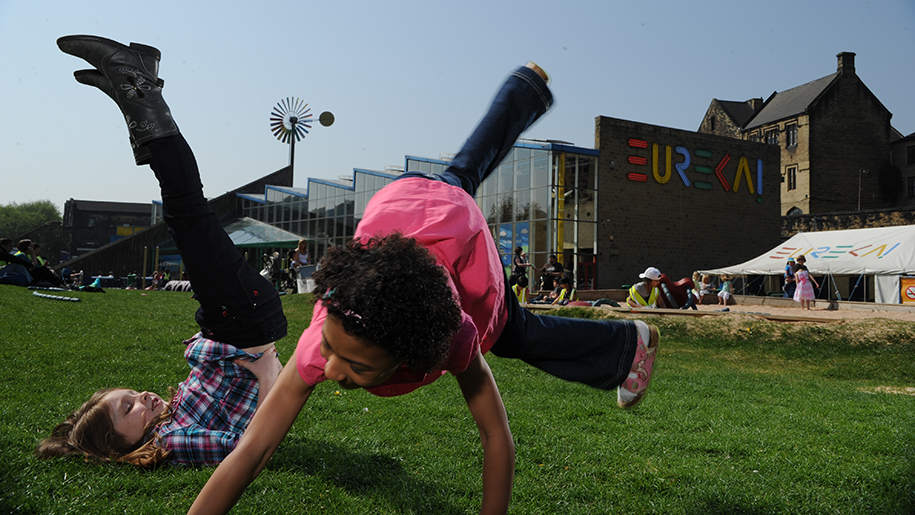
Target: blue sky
x=407 y=77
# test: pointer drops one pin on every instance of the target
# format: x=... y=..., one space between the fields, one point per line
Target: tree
x=17 y=219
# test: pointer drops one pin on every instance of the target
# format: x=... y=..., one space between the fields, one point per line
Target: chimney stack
x=846 y=62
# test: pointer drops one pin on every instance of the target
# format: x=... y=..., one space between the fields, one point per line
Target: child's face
x=132 y=411
x=350 y=362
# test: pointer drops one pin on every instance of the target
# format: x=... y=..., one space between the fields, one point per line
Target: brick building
x=90 y=224
x=680 y=200
x=834 y=138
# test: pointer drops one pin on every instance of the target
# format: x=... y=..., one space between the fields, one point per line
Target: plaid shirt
x=213 y=406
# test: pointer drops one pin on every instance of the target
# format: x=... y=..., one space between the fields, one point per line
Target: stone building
x=903 y=157
x=680 y=200
x=834 y=138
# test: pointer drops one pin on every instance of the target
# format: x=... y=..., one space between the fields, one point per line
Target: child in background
x=804 y=292
x=725 y=294
x=566 y=294
x=419 y=291
x=520 y=289
x=706 y=286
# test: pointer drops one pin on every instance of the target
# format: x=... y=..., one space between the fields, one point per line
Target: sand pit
x=816 y=313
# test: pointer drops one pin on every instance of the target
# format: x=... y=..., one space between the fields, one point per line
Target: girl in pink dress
x=804 y=292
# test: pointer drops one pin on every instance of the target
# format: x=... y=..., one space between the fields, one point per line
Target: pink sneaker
x=633 y=389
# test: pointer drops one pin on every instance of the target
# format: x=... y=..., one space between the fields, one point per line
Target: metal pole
x=859 y=191
x=143 y=272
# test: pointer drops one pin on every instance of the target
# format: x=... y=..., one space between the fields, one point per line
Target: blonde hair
x=89 y=431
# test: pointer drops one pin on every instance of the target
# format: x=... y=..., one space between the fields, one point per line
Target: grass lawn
x=744 y=416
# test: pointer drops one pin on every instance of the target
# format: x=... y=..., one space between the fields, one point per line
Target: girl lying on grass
x=233 y=359
x=420 y=291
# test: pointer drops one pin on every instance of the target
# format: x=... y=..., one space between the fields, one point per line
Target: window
x=911 y=186
x=792 y=178
x=795 y=211
x=772 y=136
x=791 y=135
x=910 y=155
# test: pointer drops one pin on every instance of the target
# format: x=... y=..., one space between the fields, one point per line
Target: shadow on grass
x=365 y=475
x=722 y=507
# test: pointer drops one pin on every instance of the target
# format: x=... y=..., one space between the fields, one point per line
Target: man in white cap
x=645 y=294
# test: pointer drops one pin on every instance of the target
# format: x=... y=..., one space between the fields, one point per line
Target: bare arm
x=269 y=426
x=482 y=396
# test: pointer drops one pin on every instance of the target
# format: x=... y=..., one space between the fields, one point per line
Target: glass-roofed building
x=542 y=197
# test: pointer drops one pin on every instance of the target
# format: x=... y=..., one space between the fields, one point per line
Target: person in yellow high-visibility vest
x=567 y=294
x=645 y=294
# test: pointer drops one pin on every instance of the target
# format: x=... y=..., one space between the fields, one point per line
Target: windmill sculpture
x=291 y=120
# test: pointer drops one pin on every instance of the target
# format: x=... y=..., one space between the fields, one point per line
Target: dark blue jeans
x=237 y=305
x=594 y=352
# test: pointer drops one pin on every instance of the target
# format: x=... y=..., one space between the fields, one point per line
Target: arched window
x=795 y=211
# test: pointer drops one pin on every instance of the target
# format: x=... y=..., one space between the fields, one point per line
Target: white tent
x=885 y=252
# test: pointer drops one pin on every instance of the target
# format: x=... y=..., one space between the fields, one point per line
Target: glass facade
x=542 y=197
x=326 y=213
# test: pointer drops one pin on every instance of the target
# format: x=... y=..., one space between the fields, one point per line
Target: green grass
x=744 y=416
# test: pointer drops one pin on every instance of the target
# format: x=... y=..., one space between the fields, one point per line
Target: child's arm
x=269 y=426
x=485 y=404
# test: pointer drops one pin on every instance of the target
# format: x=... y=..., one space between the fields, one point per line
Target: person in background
x=40 y=273
x=551 y=296
x=300 y=255
x=41 y=261
x=804 y=292
x=790 y=282
x=706 y=286
x=16 y=270
x=725 y=294
x=566 y=293
x=645 y=294
x=519 y=263
x=551 y=270
x=520 y=289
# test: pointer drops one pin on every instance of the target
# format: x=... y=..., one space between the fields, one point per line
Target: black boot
x=129 y=75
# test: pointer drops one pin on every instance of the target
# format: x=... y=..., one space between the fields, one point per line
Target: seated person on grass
x=41 y=275
x=520 y=289
x=420 y=291
x=566 y=292
x=548 y=298
x=16 y=268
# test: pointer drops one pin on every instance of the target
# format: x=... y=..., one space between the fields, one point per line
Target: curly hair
x=390 y=293
x=89 y=432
